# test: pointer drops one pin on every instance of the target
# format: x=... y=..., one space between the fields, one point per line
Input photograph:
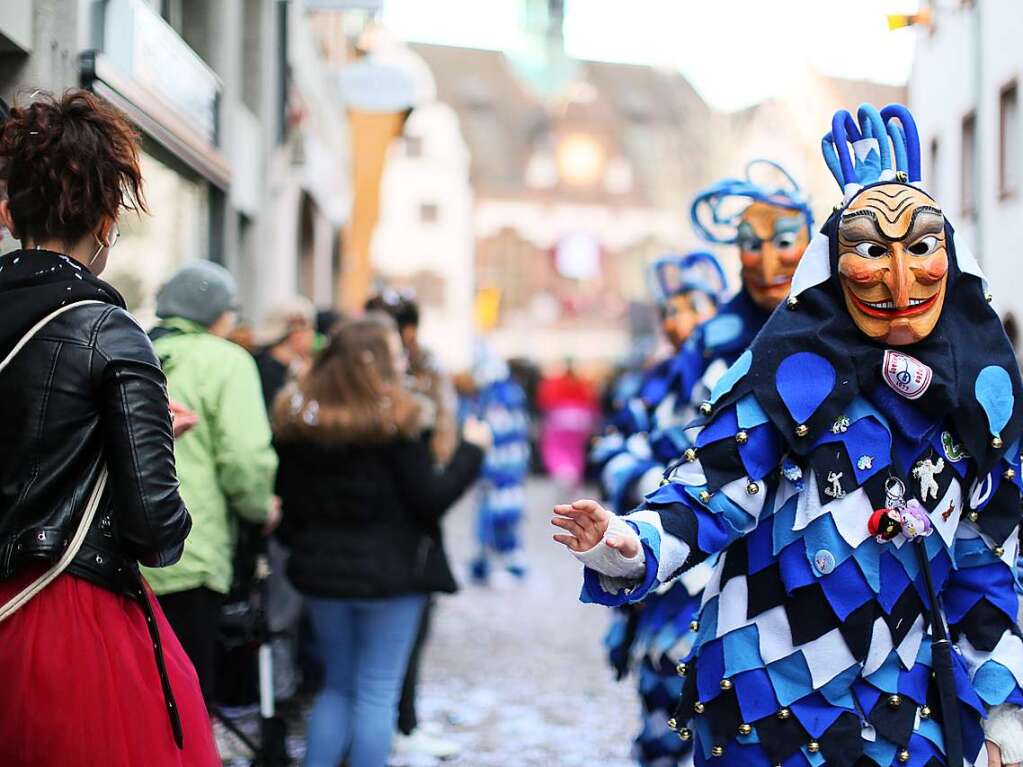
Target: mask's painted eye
x=751 y=244
x=871 y=250
x=785 y=240
x=924 y=247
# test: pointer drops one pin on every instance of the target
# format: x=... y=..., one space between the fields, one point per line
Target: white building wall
x=259 y=228
x=404 y=245
x=321 y=175
x=945 y=86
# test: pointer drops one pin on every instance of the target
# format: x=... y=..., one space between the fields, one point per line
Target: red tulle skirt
x=79 y=685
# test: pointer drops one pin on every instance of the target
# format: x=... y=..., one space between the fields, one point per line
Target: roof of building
x=646 y=121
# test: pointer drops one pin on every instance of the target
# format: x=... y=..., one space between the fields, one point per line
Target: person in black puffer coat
x=362 y=505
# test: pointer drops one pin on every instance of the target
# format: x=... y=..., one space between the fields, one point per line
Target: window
x=252 y=54
x=969 y=164
x=170 y=10
x=428 y=213
x=1008 y=141
x=413 y=146
x=934 y=169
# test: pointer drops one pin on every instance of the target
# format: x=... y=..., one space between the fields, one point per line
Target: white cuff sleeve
x=611 y=562
x=1004 y=728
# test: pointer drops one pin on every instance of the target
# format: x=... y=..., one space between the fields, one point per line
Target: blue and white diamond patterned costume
x=501 y=403
x=842 y=477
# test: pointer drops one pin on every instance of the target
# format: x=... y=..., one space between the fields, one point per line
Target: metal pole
x=942 y=665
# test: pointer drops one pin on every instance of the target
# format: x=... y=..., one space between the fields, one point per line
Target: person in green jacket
x=225 y=463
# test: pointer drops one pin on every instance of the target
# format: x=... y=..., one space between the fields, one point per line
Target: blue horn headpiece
x=698 y=271
x=885 y=146
x=715 y=215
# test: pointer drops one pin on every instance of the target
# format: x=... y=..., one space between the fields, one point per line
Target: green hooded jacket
x=226 y=464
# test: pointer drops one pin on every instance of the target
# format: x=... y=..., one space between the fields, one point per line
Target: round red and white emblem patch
x=907 y=375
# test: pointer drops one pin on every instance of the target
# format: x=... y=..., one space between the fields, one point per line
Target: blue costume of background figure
x=661 y=628
x=649 y=435
x=644 y=436
x=841 y=483
x=501 y=402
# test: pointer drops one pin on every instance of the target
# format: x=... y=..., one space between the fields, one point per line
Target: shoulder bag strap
x=22 y=597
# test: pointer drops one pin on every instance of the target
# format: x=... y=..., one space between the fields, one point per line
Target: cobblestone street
x=518 y=675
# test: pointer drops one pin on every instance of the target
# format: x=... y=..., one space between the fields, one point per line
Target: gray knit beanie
x=200 y=291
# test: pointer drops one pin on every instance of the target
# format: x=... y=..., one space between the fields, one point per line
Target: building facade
x=964 y=92
x=788 y=129
x=576 y=187
x=244 y=147
x=424 y=241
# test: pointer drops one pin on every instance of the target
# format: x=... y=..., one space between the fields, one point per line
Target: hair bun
x=69 y=164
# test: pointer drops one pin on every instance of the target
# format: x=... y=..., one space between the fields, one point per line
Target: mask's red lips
x=887 y=309
x=781 y=281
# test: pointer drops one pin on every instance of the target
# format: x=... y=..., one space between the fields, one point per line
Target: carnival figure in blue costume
x=642 y=437
x=643 y=433
x=501 y=403
x=771 y=224
x=857 y=471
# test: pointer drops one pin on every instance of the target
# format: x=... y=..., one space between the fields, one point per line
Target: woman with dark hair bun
x=92 y=673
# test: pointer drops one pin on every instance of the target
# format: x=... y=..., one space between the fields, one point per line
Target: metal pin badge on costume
x=840 y=426
x=954 y=451
x=925 y=471
x=824 y=561
x=835 y=489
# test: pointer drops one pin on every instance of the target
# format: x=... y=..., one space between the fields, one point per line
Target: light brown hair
x=353 y=392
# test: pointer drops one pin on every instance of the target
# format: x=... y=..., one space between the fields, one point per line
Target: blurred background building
x=964 y=91
x=517 y=192
x=582 y=173
x=245 y=142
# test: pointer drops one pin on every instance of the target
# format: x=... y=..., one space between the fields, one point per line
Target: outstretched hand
x=586 y=522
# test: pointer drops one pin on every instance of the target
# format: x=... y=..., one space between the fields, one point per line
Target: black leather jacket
x=88 y=388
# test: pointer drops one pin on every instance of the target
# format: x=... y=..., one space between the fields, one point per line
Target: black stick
x=941 y=663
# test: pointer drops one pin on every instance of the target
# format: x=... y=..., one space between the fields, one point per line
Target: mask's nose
x=898 y=278
x=770 y=264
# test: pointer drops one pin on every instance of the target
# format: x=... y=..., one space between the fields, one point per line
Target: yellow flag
x=487 y=309
x=921 y=18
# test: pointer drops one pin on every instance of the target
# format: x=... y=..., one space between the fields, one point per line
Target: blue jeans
x=364 y=645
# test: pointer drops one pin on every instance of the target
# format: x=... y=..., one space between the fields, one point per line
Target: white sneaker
x=229 y=746
x=422 y=743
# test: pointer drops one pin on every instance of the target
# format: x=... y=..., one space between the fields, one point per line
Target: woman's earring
x=111 y=241
x=100 y=248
